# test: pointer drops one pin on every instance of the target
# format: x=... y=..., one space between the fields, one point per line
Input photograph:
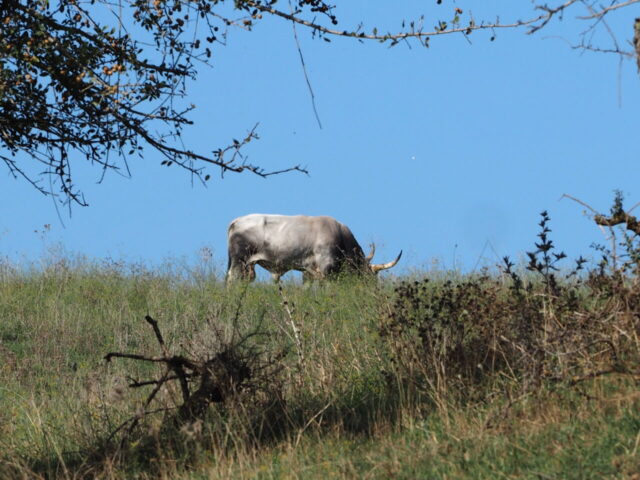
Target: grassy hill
x=495 y=375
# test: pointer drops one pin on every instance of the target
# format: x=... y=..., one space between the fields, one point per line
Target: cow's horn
x=384 y=266
x=369 y=257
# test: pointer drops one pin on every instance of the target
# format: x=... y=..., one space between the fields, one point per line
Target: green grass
x=590 y=441
x=347 y=410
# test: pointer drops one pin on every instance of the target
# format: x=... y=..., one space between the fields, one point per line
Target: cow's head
x=375 y=268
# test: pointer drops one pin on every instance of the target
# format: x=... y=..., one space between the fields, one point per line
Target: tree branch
x=605 y=10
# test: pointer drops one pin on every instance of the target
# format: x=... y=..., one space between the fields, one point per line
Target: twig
x=503 y=411
x=303 y=429
x=606 y=10
x=294 y=328
x=156 y=330
x=595 y=213
x=551 y=12
x=633 y=208
x=137 y=384
x=591 y=375
x=304 y=69
x=566 y=195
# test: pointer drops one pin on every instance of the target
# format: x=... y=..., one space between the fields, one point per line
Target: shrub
x=513 y=330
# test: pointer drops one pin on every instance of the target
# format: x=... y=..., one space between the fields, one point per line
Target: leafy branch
x=105 y=81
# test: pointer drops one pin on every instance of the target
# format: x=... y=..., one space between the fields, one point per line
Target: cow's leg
x=318 y=266
x=241 y=271
x=311 y=275
x=234 y=273
x=326 y=269
x=275 y=277
x=240 y=265
x=251 y=271
x=325 y=263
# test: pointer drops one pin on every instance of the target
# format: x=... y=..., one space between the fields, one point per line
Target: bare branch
x=605 y=10
x=586 y=205
x=549 y=14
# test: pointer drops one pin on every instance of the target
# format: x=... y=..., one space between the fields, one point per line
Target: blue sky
x=449 y=153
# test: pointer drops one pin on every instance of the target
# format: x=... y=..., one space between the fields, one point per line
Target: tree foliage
x=102 y=80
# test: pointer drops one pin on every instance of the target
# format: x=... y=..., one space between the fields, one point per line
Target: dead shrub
x=219 y=375
x=463 y=340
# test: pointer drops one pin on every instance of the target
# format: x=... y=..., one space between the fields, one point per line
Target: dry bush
x=513 y=331
x=221 y=377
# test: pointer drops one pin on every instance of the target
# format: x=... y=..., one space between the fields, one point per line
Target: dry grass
x=506 y=375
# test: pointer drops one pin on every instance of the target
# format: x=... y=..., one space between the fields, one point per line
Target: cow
x=317 y=246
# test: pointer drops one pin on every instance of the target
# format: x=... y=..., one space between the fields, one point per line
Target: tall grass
x=474 y=376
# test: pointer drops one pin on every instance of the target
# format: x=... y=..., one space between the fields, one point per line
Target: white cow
x=316 y=246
